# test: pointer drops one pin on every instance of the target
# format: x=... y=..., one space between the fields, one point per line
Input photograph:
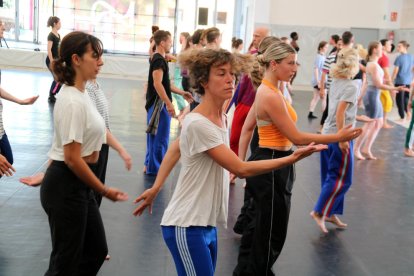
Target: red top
x=383 y=61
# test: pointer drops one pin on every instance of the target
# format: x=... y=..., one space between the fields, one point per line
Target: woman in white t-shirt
x=200 y=199
x=77 y=232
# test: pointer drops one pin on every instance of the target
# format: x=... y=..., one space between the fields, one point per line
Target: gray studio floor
x=379 y=206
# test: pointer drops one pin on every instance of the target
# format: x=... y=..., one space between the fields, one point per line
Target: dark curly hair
x=199 y=63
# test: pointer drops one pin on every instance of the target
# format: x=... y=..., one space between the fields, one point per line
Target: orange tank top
x=269 y=134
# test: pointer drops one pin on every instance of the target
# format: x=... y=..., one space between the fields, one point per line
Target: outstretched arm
x=7 y=96
x=168 y=163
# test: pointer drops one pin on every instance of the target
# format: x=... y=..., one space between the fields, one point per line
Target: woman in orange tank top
x=262 y=243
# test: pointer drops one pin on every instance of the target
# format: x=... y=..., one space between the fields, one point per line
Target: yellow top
x=269 y=134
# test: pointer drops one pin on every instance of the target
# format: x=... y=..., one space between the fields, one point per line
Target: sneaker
x=311 y=116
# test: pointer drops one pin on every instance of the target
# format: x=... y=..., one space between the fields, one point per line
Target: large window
x=123 y=26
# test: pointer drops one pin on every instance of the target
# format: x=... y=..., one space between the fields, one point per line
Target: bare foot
x=409 y=152
x=358 y=155
x=108 y=257
x=369 y=155
x=320 y=221
x=387 y=126
x=335 y=220
x=363 y=118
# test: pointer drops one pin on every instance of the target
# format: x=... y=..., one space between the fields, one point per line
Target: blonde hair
x=256 y=74
x=347 y=64
x=277 y=51
x=200 y=61
x=362 y=52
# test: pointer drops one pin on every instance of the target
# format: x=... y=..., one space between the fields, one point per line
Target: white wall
x=342 y=14
x=407 y=18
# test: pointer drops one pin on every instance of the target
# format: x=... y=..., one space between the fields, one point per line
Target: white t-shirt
x=76 y=119
x=201 y=195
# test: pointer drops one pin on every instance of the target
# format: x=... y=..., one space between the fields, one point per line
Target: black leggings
x=55 y=86
x=271 y=194
x=325 y=112
x=101 y=170
x=402 y=98
x=78 y=236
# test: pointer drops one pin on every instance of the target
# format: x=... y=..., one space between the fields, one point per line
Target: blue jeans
x=194 y=249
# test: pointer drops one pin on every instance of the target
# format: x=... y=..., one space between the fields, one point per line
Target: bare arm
x=395 y=73
x=186 y=95
x=340 y=124
x=7 y=96
x=276 y=109
x=116 y=145
x=148 y=196
x=73 y=159
x=157 y=76
x=373 y=70
x=247 y=132
x=49 y=50
x=226 y=158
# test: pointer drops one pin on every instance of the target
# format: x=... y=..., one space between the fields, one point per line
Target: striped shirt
x=99 y=100
x=327 y=67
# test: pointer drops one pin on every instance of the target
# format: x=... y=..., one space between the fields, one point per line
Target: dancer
x=159 y=95
x=386 y=99
x=316 y=78
x=200 y=198
x=372 y=103
x=337 y=161
x=275 y=119
x=53 y=40
x=402 y=76
x=78 y=237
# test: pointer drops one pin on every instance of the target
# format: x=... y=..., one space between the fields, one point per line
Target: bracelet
x=105 y=191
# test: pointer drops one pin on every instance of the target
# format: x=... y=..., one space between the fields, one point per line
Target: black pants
x=101 y=170
x=402 y=98
x=265 y=235
x=325 y=112
x=247 y=210
x=78 y=237
x=55 y=86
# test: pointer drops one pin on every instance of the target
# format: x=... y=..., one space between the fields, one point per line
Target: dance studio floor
x=379 y=207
